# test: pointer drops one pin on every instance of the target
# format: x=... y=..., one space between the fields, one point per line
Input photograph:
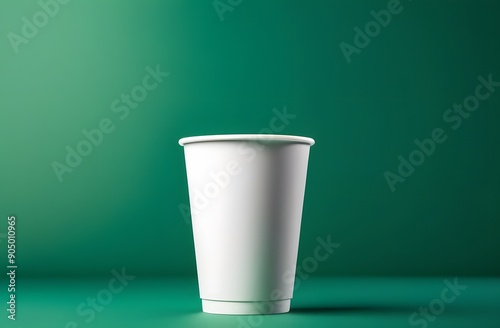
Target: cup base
x=245 y=308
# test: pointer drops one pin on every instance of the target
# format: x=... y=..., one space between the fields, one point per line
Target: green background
x=120 y=206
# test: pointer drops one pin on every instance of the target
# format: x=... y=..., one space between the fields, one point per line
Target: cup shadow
x=338 y=309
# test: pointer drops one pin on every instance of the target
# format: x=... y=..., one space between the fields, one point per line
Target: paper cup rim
x=247 y=137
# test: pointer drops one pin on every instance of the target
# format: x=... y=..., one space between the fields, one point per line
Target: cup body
x=246 y=195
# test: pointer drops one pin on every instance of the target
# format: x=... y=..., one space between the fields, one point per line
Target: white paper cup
x=246 y=193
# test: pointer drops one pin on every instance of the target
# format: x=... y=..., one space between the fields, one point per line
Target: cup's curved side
x=246 y=202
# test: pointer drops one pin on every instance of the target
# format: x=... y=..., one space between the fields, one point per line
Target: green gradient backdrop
x=119 y=208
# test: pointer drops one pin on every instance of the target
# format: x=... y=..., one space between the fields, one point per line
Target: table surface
x=318 y=302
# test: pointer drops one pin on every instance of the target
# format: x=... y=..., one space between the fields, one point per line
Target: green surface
x=120 y=205
x=318 y=302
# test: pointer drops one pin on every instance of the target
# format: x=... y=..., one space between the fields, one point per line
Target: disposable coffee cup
x=246 y=194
